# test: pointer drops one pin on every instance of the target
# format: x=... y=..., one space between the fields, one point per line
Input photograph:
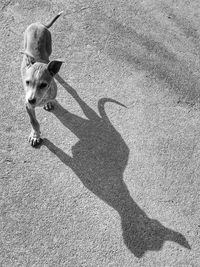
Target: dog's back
x=38 y=42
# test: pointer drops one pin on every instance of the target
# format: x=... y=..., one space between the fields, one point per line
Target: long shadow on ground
x=99 y=160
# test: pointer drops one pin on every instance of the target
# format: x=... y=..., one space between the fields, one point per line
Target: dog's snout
x=32 y=101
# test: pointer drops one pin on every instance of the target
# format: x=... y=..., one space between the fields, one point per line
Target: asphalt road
x=109 y=185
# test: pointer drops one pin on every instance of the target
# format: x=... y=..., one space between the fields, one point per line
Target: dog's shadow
x=99 y=160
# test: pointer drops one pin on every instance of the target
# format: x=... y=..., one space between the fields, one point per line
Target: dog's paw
x=34 y=139
x=49 y=106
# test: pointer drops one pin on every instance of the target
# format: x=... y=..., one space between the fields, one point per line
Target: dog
x=38 y=73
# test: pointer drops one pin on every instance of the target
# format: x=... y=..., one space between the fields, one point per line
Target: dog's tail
x=53 y=20
x=101 y=107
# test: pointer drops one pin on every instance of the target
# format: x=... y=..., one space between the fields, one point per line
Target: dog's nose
x=32 y=101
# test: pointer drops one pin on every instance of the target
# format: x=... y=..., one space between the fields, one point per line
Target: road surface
x=109 y=185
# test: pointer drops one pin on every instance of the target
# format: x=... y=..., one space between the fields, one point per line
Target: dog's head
x=37 y=79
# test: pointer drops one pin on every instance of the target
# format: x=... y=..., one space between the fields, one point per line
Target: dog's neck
x=37 y=58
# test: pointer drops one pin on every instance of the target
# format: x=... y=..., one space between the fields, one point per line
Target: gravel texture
x=109 y=185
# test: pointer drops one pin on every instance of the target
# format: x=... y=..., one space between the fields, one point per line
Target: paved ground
x=109 y=186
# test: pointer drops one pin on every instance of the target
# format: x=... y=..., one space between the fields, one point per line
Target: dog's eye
x=43 y=85
x=27 y=82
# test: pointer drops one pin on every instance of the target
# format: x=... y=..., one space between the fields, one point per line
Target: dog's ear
x=54 y=66
x=30 y=60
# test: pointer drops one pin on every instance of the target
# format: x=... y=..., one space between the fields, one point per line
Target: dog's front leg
x=34 y=138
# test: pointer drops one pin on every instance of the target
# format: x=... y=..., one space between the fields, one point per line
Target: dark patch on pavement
x=99 y=160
